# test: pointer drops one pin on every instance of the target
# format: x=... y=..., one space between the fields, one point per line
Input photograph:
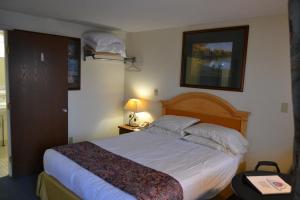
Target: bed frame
x=210 y=109
x=207 y=107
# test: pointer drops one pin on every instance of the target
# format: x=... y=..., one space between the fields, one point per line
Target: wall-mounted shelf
x=89 y=52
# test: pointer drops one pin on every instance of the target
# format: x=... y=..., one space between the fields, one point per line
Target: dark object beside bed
x=245 y=191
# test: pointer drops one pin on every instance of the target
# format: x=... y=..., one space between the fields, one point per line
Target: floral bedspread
x=138 y=180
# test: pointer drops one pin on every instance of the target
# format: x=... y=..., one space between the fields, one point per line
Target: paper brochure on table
x=270 y=184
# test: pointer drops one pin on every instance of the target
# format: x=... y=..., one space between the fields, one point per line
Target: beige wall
x=267 y=81
x=2 y=76
x=96 y=110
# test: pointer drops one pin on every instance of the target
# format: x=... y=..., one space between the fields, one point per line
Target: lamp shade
x=135 y=105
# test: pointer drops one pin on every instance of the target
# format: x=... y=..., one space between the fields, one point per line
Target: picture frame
x=74 y=64
x=214 y=58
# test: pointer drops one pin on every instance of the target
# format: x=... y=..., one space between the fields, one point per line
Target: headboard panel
x=208 y=108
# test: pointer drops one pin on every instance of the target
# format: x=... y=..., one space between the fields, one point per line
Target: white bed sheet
x=201 y=171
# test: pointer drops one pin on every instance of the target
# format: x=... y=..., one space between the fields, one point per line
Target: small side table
x=127 y=129
x=245 y=191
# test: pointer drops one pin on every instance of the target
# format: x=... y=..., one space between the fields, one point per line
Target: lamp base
x=132 y=117
x=132 y=125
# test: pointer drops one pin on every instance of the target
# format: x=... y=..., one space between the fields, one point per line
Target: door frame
x=5 y=29
x=11 y=136
x=8 y=125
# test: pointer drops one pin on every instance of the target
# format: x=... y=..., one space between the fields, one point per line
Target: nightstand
x=245 y=191
x=127 y=129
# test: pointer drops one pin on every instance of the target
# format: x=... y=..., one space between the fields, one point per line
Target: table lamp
x=134 y=106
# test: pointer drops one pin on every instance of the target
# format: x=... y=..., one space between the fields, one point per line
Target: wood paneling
x=208 y=108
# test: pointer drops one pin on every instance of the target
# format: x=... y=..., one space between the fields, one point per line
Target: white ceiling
x=140 y=15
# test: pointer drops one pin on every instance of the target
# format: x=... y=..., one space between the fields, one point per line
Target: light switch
x=155 y=92
x=284 y=107
x=42 y=57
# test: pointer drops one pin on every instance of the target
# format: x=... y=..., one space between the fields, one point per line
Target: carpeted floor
x=18 y=188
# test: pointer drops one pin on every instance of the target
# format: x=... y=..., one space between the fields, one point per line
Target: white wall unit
x=267 y=81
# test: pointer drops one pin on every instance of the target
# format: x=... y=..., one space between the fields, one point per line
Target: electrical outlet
x=70 y=140
x=284 y=107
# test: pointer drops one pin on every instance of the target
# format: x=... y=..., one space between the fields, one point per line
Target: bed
x=202 y=174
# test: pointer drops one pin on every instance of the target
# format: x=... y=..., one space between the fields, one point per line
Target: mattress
x=202 y=172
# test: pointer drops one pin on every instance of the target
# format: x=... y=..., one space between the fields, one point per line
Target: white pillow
x=229 y=138
x=161 y=131
x=174 y=123
x=206 y=142
x=105 y=42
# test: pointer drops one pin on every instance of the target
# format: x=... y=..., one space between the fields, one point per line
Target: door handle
x=65 y=110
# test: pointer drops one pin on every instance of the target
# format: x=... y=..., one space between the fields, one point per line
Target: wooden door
x=38 y=92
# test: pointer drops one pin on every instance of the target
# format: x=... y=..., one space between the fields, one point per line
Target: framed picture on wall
x=74 y=59
x=214 y=58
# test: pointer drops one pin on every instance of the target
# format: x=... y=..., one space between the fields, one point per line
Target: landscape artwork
x=215 y=58
x=210 y=64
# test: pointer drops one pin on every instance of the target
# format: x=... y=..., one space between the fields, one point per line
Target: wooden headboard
x=208 y=108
